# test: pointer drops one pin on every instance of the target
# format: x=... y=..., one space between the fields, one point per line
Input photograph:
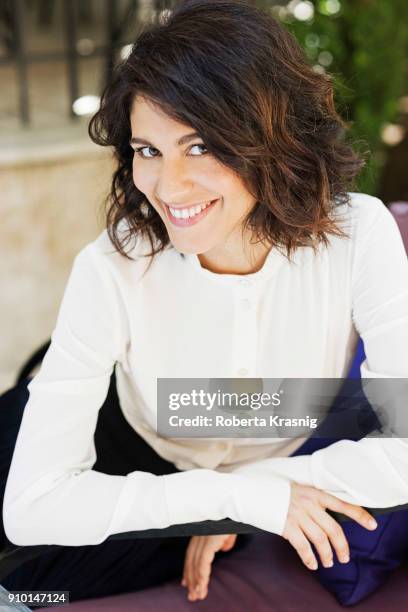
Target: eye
x=199 y=145
x=139 y=150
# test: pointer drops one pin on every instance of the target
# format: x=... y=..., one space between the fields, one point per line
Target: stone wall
x=51 y=204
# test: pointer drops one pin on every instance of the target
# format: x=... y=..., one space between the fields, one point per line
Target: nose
x=173 y=182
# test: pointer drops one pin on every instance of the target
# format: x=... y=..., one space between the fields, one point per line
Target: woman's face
x=178 y=177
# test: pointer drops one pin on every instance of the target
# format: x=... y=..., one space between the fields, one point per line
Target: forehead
x=145 y=112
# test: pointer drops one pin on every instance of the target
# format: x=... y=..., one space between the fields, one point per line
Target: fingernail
x=372 y=524
x=328 y=564
x=345 y=559
x=313 y=565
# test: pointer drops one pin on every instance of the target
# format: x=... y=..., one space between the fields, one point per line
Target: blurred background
x=55 y=58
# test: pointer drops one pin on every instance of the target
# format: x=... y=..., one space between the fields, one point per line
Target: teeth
x=187 y=213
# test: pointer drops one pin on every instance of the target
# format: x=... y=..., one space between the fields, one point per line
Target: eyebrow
x=181 y=141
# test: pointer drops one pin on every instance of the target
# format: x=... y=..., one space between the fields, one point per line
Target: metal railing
x=13 y=36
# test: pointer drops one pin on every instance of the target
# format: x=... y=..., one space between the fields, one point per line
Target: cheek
x=136 y=174
x=141 y=178
x=230 y=185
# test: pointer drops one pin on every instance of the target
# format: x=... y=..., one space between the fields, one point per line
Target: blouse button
x=242 y=372
x=245 y=282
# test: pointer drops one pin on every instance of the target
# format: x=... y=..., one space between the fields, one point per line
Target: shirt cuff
x=198 y=495
x=261 y=500
x=298 y=469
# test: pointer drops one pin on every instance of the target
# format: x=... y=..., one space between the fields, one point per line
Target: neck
x=244 y=258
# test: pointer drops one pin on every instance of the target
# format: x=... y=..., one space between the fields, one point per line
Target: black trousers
x=115 y=566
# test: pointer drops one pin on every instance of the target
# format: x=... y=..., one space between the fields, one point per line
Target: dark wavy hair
x=241 y=80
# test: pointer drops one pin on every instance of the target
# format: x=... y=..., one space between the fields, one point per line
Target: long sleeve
x=52 y=495
x=262 y=501
x=372 y=472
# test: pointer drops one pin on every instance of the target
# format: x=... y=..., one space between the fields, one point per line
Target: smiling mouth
x=184 y=217
x=189 y=212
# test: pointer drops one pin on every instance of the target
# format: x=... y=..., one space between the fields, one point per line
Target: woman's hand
x=199 y=557
x=307 y=521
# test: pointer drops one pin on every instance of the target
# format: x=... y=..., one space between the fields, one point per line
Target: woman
x=233 y=248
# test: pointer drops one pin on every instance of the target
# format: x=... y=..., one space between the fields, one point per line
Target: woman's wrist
x=261 y=500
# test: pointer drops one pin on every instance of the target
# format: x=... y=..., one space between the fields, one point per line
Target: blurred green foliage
x=363 y=44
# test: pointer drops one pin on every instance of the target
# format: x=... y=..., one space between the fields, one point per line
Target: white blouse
x=299 y=319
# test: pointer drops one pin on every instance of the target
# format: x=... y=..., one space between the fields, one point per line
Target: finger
x=196 y=565
x=229 y=542
x=357 y=513
x=302 y=546
x=210 y=546
x=204 y=566
x=204 y=544
x=189 y=564
x=335 y=534
x=187 y=560
x=318 y=537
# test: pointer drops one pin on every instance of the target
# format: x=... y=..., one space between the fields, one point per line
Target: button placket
x=243 y=372
x=244 y=357
x=245 y=303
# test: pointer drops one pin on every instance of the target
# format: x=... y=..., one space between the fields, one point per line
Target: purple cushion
x=265 y=576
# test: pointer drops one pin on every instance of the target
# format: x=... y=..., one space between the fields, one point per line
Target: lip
x=192 y=220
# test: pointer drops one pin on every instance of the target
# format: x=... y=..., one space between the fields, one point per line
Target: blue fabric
x=357 y=361
x=373 y=554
